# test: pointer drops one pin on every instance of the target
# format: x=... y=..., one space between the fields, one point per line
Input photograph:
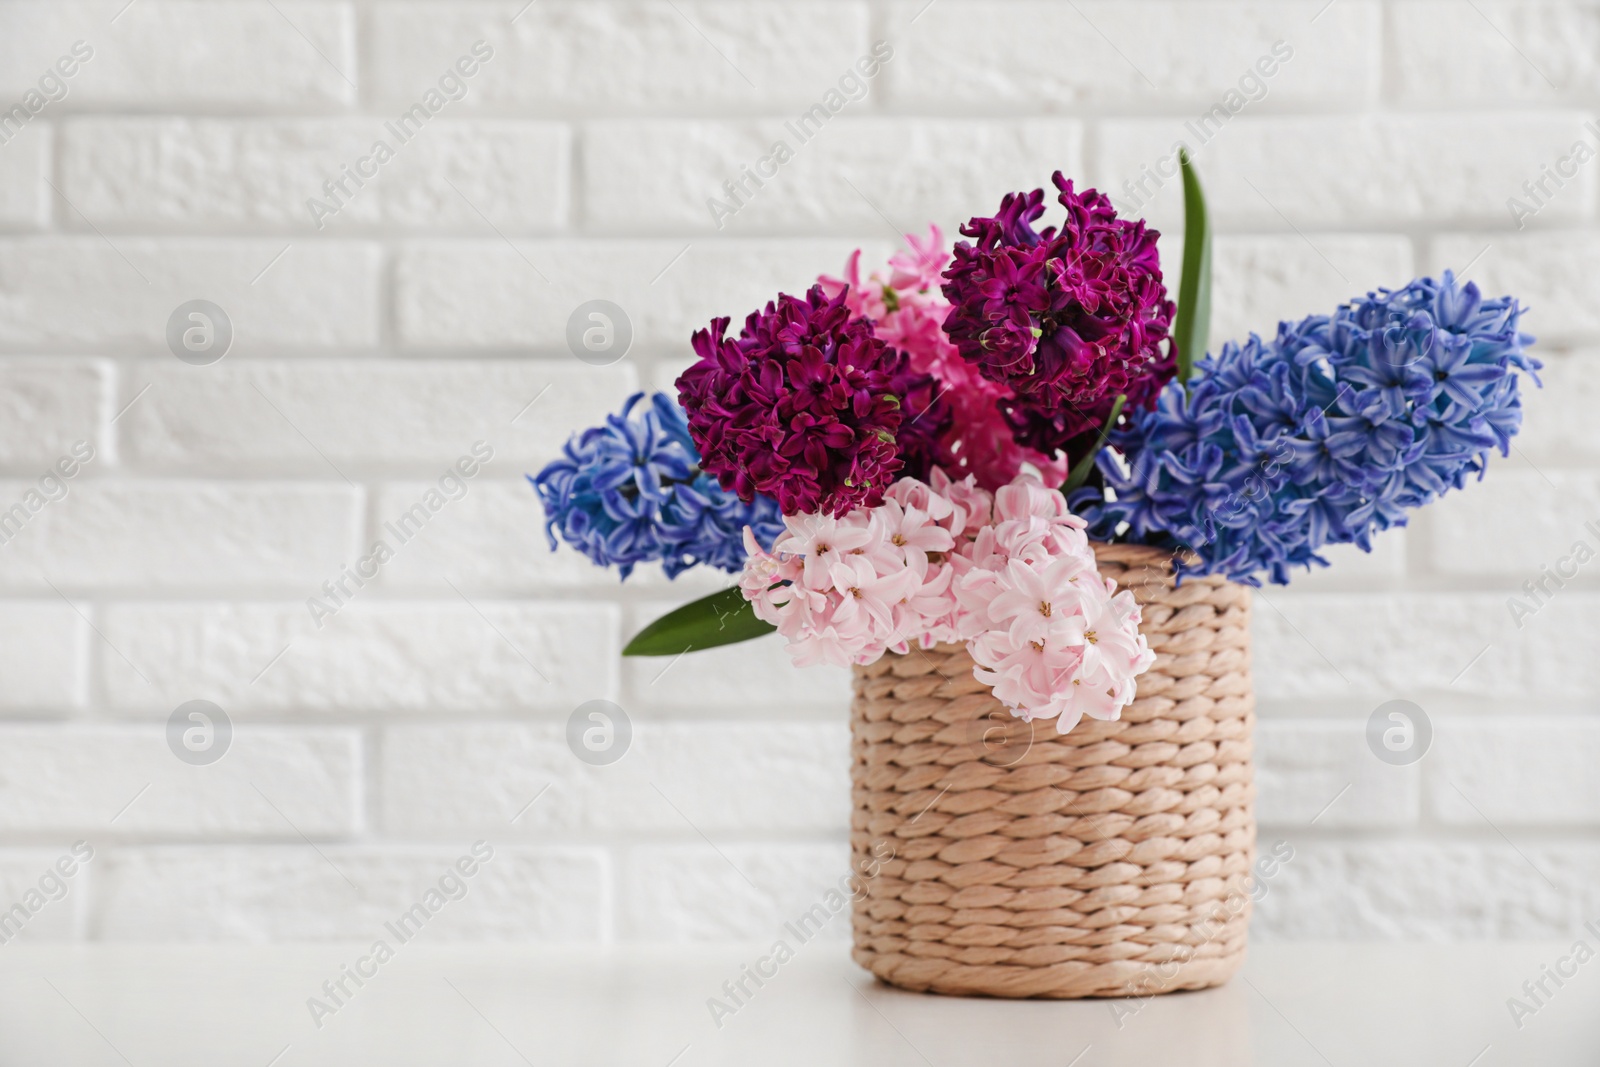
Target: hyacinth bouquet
x=925 y=454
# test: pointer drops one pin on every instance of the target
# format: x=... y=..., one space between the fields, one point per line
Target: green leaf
x=719 y=619
x=1080 y=470
x=1194 y=290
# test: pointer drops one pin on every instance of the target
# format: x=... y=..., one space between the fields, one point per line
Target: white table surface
x=1355 y=1005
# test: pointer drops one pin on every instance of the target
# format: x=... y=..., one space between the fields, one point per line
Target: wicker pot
x=1002 y=859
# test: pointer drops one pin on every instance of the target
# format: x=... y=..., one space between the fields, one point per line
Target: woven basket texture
x=1000 y=858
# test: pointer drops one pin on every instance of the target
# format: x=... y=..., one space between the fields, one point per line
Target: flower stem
x=1193 y=321
x=1080 y=470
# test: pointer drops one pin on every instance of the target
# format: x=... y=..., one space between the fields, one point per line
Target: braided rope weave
x=1003 y=859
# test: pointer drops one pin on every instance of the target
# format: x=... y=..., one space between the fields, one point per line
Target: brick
x=263 y=173
x=1557 y=420
x=1524 y=770
x=1515 y=521
x=291 y=893
x=686 y=893
x=48 y=405
x=1345 y=171
x=1552 y=274
x=65 y=899
x=1556 y=642
x=492 y=539
x=745 y=676
x=455 y=294
x=1420 y=890
x=1370 y=647
x=183 y=535
x=318 y=295
x=633 y=56
x=44 y=656
x=187 y=52
x=960 y=55
x=1322 y=770
x=414 y=416
x=24 y=164
x=374 y=655
x=1498 y=53
x=1262 y=280
x=690 y=585
x=664 y=373
x=100 y=782
x=1349 y=568
x=906 y=172
x=442 y=782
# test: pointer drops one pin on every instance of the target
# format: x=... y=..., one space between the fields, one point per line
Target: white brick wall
x=191 y=174
x=373 y=351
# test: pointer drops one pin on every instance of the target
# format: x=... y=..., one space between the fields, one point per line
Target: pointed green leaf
x=719 y=619
x=1080 y=470
x=1193 y=324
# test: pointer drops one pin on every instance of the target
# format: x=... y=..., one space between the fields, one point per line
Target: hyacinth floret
x=632 y=491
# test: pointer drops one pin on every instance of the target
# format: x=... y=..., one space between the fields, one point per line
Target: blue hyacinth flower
x=631 y=491
x=1327 y=434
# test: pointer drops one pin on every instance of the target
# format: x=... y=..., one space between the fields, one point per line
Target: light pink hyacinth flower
x=871 y=580
x=1011 y=575
x=1054 y=638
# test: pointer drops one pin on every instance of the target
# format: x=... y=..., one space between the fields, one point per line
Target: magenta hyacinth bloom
x=1066 y=318
x=807 y=406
